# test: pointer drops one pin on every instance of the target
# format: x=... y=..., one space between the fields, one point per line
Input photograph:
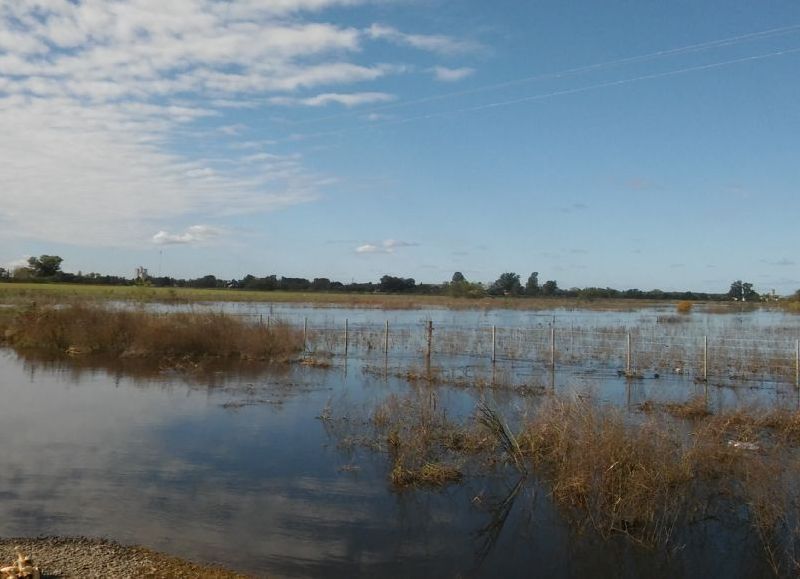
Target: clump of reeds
x=428 y=474
x=692 y=409
x=495 y=424
x=81 y=329
x=426 y=447
x=684 y=307
x=622 y=477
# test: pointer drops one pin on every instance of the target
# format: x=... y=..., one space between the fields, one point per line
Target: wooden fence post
x=797 y=363
x=628 y=357
x=430 y=338
x=386 y=339
x=494 y=344
x=346 y=344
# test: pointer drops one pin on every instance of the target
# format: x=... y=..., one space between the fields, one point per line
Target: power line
x=565 y=92
x=732 y=40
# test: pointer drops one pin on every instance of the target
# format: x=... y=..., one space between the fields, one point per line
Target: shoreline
x=85 y=557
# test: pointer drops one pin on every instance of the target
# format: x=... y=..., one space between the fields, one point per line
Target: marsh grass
x=425 y=447
x=618 y=477
x=694 y=408
x=648 y=476
x=81 y=329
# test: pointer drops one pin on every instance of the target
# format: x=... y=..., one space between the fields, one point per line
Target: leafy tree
x=207 y=281
x=294 y=284
x=506 y=284
x=321 y=284
x=45 y=265
x=532 y=286
x=742 y=291
x=4 y=273
x=458 y=277
x=396 y=284
x=550 y=288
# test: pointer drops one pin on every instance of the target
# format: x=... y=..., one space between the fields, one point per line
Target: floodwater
x=234 y=466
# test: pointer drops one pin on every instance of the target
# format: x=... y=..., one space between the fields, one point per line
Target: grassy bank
x=84 y=330
x=20 y=293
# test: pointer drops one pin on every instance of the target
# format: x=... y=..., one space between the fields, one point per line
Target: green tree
x=458 y=277
x=532 y=286
x=396 y=284
x=550 y=288
x=506 y=284
x=45 y=265
x=742 y=291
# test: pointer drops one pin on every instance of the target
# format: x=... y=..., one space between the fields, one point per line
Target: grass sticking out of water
x=81 y=329
x=694 y=408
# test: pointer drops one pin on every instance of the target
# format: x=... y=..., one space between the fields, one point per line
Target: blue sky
x=623 y=144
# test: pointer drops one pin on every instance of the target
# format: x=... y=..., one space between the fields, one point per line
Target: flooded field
x=273 y=471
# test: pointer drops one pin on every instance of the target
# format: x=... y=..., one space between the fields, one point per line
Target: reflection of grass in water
x=641 y=476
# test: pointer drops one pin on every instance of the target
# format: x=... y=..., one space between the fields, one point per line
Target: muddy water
x=234 y=466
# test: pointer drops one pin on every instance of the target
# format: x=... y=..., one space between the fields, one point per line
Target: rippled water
x=234 y=466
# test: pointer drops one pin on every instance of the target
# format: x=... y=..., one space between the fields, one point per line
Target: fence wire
x=722 y=353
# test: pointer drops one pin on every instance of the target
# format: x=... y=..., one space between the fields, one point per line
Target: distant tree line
x=47 y=268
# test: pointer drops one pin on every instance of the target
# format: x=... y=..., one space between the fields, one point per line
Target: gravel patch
x=85 y=558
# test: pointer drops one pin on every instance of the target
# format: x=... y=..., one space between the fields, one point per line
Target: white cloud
x=387 y=246
x=99 y=103
x=90 y=132
x=345 y=99
x=370 y=248
x=444 y=74
x=438 y=43
x=192 y=235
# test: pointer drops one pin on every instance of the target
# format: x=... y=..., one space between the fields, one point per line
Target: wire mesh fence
x=720 y=353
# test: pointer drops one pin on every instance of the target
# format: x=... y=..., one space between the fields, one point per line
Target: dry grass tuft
x=684 y=307
x=693 y=409
x=424 y=445
x=428 y=474
x=623 y=478
x=81 y=329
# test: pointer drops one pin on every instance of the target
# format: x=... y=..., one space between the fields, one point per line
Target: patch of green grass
x=60 y=293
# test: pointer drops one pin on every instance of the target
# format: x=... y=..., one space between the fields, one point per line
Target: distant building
x=141 y=274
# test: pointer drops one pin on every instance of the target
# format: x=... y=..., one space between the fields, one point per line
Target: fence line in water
x=633 y=351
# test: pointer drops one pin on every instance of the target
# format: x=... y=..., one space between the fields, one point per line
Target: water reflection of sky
x=244 y=474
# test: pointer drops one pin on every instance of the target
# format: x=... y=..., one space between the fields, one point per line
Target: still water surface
x=235 y=467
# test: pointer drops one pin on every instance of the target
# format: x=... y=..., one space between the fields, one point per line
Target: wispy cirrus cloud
x=344 y=99
x=783 y=262
x=438 y=43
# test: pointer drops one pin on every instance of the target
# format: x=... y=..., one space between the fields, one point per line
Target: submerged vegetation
x=648 y=476
x=84 y=330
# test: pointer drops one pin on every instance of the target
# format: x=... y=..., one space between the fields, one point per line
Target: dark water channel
x=235 y=467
